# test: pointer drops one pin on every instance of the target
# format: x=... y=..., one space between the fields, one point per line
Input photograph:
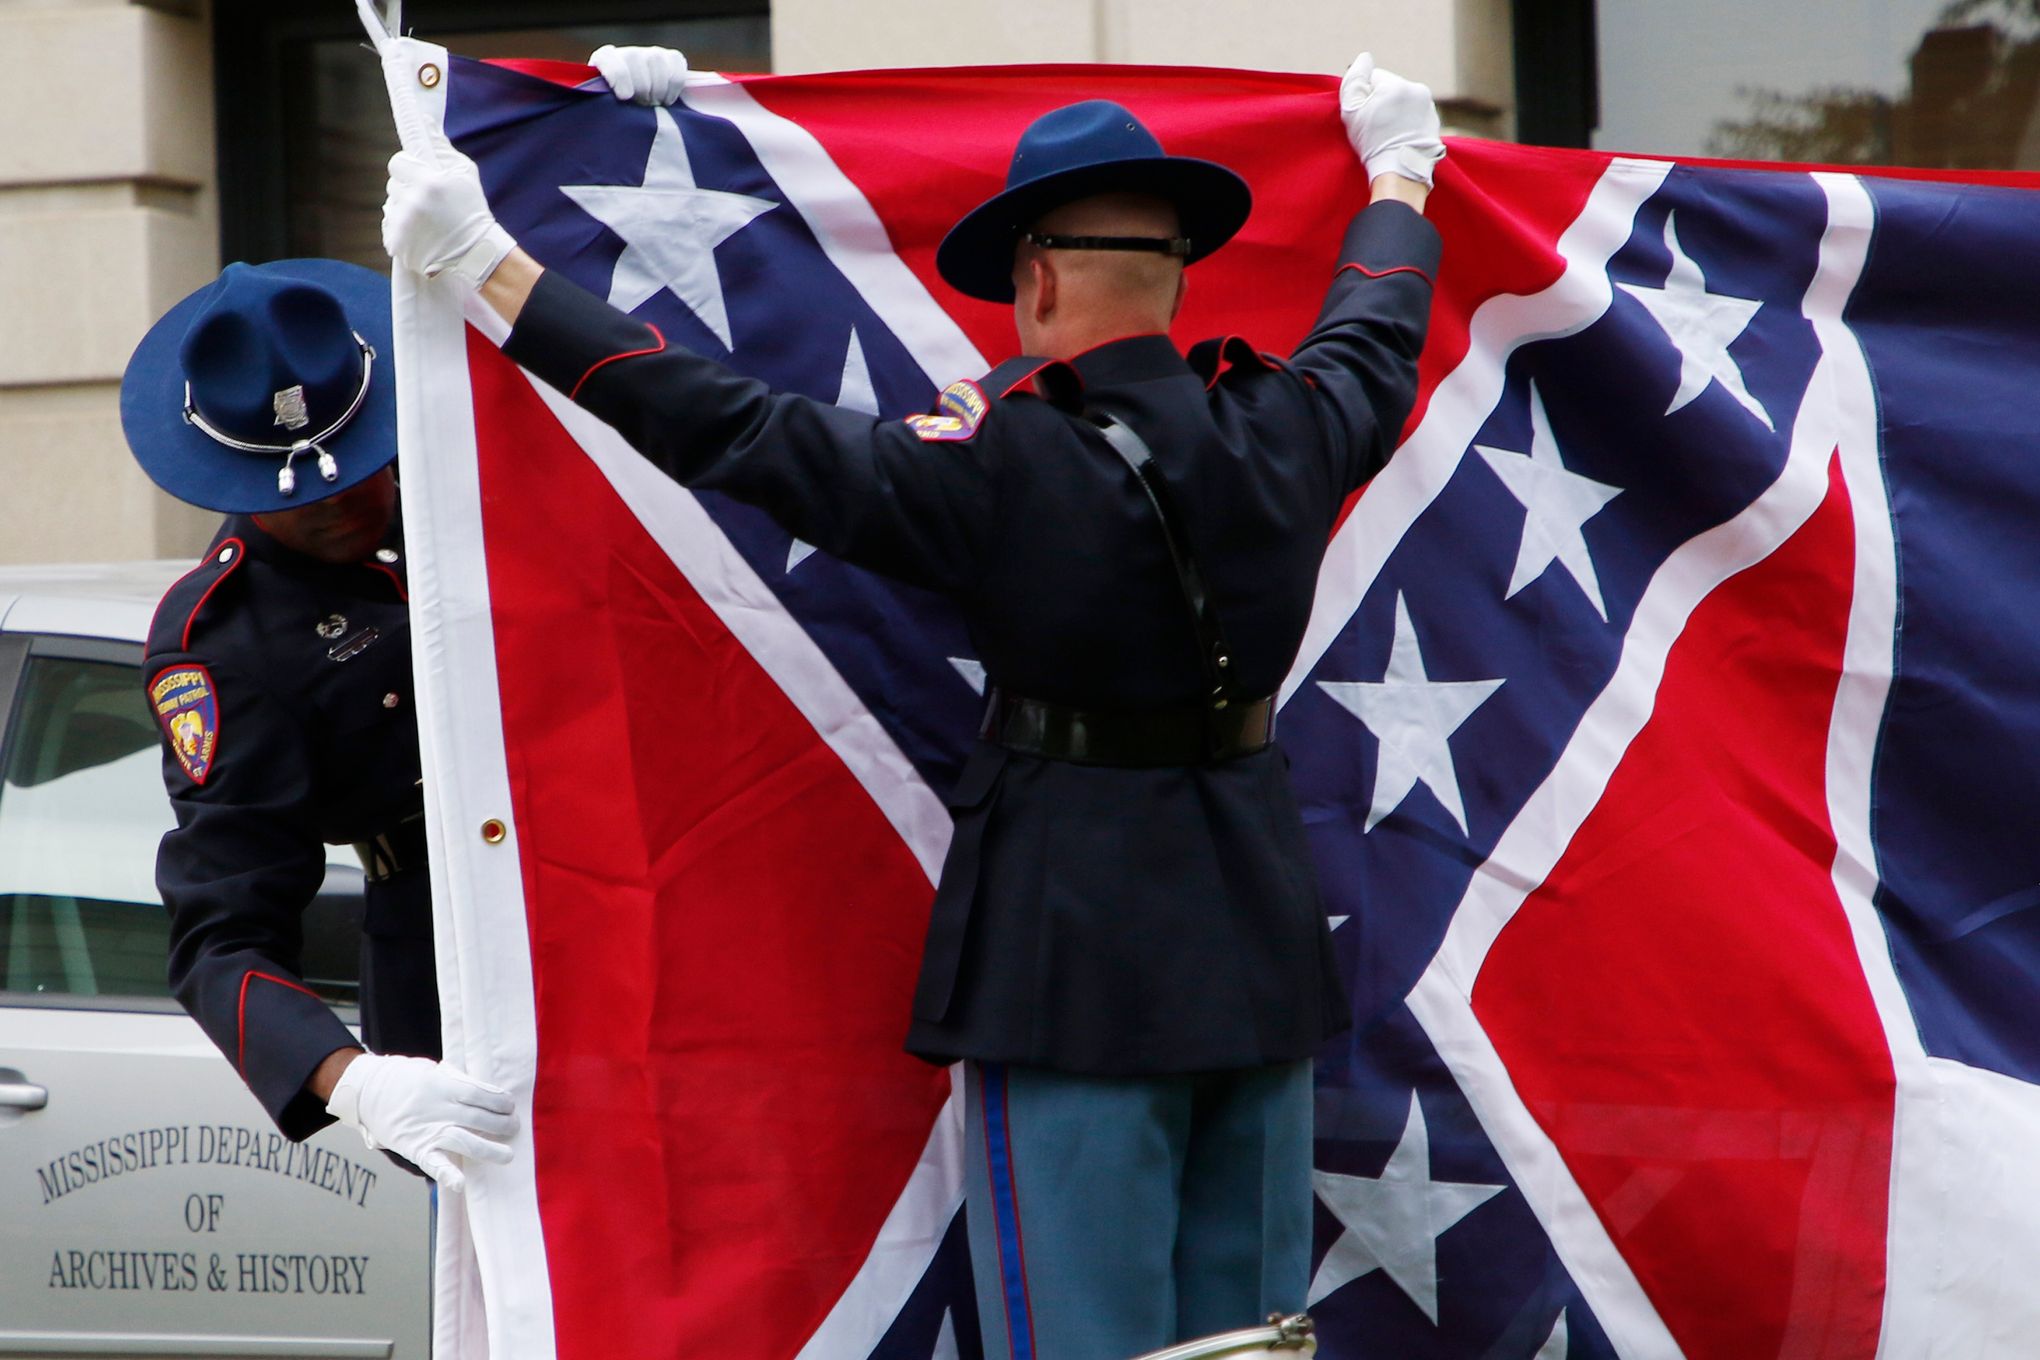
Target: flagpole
x=492 y=1297
x=412 y=132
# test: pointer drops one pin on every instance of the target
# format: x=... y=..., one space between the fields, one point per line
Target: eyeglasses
x=1177 y=247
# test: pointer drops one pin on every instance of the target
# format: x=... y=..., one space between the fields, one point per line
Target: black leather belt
x=395 y=851
x=1191 y=735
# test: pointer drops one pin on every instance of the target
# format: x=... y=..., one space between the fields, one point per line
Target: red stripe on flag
x=1680 y=1005
x=724 y=934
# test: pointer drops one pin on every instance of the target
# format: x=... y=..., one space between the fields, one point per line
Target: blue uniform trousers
x=1115 y=1215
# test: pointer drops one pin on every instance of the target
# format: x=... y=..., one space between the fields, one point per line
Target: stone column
x=107 y=217
x=1460 y=48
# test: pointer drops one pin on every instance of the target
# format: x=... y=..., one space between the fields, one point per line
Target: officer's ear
x=1182 y=291
x=1041 y=274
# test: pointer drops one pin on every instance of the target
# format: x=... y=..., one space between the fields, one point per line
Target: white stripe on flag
x=905 y=1245
x=846 y=226
x=493 y=1247
x=1965 y=1186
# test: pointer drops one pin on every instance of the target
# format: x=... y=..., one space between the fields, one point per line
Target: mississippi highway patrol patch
x=188 y=711
x=958 y=413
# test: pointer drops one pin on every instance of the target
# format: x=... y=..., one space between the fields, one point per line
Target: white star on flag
x=1413 y=717
x=1556 y=505
x=973 y=672
x=1393 y=1221
x=1701 y=326
x=853 y=393
x=670 y=228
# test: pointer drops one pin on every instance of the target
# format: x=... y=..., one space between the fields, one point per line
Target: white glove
x=432 y=1114
x=1391 y=122
x=644 y=75
x=437 y=220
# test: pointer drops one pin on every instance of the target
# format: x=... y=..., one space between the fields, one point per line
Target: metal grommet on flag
x=428 y=75
x=493 y=831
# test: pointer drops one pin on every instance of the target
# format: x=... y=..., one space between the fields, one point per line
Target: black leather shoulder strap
x=1213 y=651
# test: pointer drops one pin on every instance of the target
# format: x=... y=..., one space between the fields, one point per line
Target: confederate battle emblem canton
x=188 y=711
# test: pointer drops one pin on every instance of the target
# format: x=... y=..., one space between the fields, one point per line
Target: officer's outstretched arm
x=867 y=490
x=1361 y=356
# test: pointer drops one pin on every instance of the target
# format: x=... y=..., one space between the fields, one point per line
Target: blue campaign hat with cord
x=268 y=389
x=1095 y=147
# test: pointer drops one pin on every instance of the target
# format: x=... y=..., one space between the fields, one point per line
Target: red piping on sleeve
x=240 y=551
x=241 y=1014
x=627 y=354
x=1399 y=269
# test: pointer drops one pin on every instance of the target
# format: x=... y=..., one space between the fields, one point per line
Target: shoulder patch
x=958 y=412
x=187 y=708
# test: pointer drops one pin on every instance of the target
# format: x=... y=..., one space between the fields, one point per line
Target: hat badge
x=290 y=407
x=293 y=415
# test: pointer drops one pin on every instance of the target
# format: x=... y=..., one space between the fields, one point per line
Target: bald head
x=1065 y=301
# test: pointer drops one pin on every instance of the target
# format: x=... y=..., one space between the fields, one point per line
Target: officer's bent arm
x=236 y=875
x=1360 y=357
x=865 y=489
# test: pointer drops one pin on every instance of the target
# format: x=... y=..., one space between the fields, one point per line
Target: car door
x=147 y=1204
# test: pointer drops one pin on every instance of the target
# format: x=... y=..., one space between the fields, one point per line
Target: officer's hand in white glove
x=430 y=1113
x=437 y=220
x=1391 y=122
x=644 y=75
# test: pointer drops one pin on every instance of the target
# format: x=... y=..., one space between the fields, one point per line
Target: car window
x=82 y=809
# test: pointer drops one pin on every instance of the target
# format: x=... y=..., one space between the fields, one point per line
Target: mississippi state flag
x=1668 y=731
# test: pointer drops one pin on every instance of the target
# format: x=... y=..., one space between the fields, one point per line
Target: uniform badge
x=958 y=412
x=188 y=711
x=290 y=408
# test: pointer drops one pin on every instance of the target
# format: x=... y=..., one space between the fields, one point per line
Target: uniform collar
x=1135 y=358
x=266 y=549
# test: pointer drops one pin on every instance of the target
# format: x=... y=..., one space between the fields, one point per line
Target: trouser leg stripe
x=1006 y=1213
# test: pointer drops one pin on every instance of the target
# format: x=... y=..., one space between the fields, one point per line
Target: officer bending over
x=279 y=671
x=1126 y=948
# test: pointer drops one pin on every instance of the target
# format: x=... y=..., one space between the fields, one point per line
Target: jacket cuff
x=1391 y=236
x=564 y=333
x=282 y=1034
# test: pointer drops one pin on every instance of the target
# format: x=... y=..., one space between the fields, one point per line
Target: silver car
x=147 y=1204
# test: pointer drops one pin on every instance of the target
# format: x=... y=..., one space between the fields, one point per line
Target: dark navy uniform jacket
x=309 y=750
x=1091 y=919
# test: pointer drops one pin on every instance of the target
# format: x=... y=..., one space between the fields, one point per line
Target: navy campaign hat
x=267 y=389
x=1096 y=147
